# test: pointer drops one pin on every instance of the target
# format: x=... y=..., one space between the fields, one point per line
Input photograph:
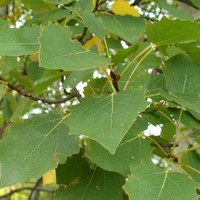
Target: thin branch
x=109 y=79
x=158 y=145
x=136 y=2
x=96 y=6
x=34 y=192
x=25 y=188
x=136 y=67
x=24 y=72
x=37 y=98
x=2 y=128
x=83 y=35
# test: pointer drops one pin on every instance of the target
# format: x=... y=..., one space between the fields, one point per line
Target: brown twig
x=34 y=192
x=24 y=71
x=136 y=2
x=96 y=6
x=115 y=78
x=83 y=35
x=37 y=98
x=2 y=128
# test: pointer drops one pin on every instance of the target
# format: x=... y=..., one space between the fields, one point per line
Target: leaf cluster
x=82 y=83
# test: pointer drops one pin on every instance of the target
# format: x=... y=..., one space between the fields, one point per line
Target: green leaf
x=107 y=119
x=150 y=182
x=33 y=147
x=75 y=77
x=7 y=108
x=17 y=42
x=38 y=6
x=186 y=118
x=61 y=1
x=195 y=114
x=126 y=27
x=168 y=131
x=22 y=108
x=34 y=71
x=4 y=2
x=45 y=17
x=95 y=86
x=132 y=150
x=64 y=53
x=93 y=22
x=87 y=182
x=4 y=23
x=189 y=101
x=129 y=152
x=192 y=49
x=196 y=3
x=47 y=79
x=156 y=83
x=182 y=75
x=172 y=31
x=1 y=90
x=192 y=159
x=121 y=55
x=7 y=64
x=173 y=10
x=139 y=79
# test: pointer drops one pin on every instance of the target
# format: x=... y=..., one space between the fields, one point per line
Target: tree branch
x=7 y=195
x=2 y=128
x=136 y=2
x=34 y=192
x=37 y=98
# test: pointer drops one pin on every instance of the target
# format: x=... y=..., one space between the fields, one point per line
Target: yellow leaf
x=94 y=2
x=95 y=41
x=49 y=177
x=122 y=7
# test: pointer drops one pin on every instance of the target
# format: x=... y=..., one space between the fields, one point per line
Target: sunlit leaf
x=95 y=41
x=122 y=7
x=49 y=177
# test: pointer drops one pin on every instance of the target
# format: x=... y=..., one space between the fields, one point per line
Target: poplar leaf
x=95 y=41
x=33 y=147
x=107 y=119
x=49 y=177
x=122 y=7
x=64 y=53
